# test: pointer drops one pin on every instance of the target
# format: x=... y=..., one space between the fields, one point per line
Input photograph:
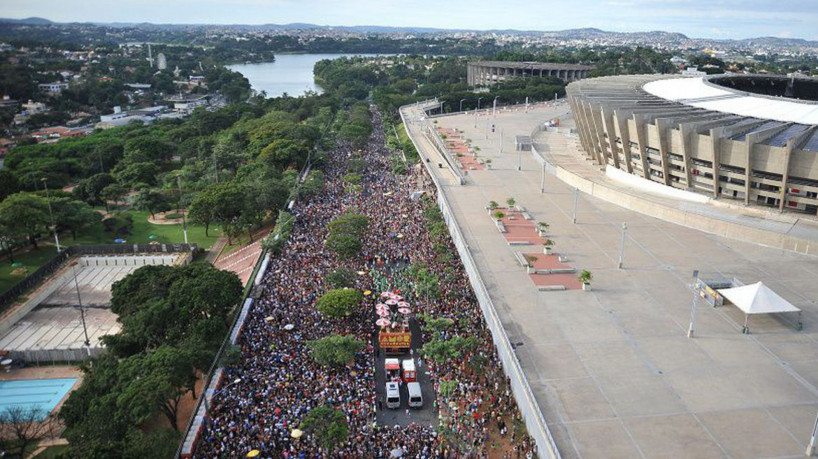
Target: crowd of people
x=280 y=383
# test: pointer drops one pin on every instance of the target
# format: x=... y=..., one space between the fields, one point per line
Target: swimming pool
x=43 y=394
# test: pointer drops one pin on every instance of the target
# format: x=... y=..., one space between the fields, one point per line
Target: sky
x=694 y=18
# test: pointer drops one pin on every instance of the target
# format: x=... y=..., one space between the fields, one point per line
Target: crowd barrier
x=529 y=408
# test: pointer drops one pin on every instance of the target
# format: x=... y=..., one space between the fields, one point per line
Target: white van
x=392 y=395
x=415 y=396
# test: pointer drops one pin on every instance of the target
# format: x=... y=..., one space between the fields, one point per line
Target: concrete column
x=607 y=119
x=715 y=143
x=621 y=121
x=792 y=143
x=684 y=132
x=595 y=114
x=786 y=175
x=748 y=166
x=663 y=125
x=641 y=139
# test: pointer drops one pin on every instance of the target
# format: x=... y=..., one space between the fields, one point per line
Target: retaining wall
x=521 y=389
x=701 y=222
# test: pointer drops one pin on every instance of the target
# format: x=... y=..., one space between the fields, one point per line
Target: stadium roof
x=697 y=92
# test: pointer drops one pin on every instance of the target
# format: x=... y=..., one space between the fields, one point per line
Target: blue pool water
x=44 y=394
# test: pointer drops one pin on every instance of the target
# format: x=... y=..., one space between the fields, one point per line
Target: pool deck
x=612 y=368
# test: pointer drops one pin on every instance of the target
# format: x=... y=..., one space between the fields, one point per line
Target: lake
x=290 y=73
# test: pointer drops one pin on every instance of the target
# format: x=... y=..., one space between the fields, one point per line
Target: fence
x=53 y=265
x=521 y=389
x=213 y=377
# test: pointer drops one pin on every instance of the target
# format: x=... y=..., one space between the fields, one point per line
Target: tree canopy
x=339 y=303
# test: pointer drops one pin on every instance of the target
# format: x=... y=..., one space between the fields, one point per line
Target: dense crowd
x=280 y=383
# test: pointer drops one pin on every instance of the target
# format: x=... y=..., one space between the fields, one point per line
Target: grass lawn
x=165 y=234
x=31 y=260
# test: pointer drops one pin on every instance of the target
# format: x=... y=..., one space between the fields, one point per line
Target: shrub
x=328 y=424
x=346 y=234
x=352 y=178
x=338 y=303
x=341 y=277
x=119 y=224
x=334 y=350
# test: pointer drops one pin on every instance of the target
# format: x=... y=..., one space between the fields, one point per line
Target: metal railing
x=529 y=407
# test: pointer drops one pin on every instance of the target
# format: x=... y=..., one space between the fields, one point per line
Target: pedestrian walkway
x=612 y=368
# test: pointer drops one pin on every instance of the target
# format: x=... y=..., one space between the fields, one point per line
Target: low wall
x=706 y=223
x=529 y=408
x=54 y=356
x=112 y=261
x=649 y=185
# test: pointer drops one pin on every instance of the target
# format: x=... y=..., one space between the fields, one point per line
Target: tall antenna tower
x=150 y=55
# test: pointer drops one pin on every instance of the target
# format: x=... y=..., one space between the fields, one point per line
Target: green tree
x=346 y=234
x=426 y=284
x=201 y=210
x=73 y=215
x=90 y=189
x=25 y=214
x=334 y=350
x=339 y=303
x=341 y=277
x=447 y=350
x=114 y=192
x=151 y=200
x=313 y=185
x=327 y=424
x=138 y=174
x=8 y=184
x=162 y=305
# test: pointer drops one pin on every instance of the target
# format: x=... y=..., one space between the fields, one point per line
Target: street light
x=622 y=245
x=51 y=214
x=461 y=105
x=82 y=311
x=184 y=221
x=691 y=327
x=494 y=109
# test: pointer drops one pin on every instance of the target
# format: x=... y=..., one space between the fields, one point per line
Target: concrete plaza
x=612 y=368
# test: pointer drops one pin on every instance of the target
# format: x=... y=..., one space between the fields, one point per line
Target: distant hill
x=27 y=21
x=643 y=38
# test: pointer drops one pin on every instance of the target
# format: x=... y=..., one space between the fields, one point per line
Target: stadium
x=750 y=138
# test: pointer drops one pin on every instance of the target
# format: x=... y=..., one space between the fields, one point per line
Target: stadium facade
x=486 y=73
x=750 y=138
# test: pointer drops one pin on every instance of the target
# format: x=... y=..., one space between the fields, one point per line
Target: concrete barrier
x=706 y=223
x=521 y=389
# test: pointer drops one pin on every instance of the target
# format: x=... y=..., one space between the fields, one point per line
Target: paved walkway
x=612 y=368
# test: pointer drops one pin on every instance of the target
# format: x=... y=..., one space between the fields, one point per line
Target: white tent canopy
x=757 y=299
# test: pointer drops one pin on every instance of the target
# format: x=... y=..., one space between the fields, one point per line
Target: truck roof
x=392 y=364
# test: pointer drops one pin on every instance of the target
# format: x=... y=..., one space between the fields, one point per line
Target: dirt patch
x=159 y=218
